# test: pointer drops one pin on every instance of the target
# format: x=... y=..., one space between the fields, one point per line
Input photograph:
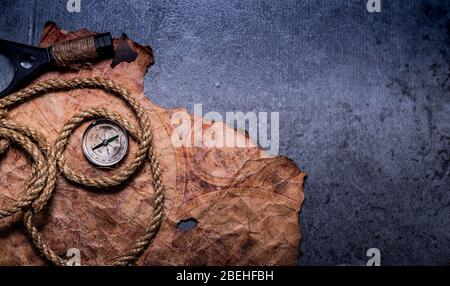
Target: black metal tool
x=28 y=61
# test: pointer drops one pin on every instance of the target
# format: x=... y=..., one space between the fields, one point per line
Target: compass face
x=105 y=143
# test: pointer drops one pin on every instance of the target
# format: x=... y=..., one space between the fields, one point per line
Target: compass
x=105 y=143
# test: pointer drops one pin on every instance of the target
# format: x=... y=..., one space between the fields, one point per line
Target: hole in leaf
x=187 y=224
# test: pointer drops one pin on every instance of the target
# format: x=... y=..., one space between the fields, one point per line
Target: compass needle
x=111 y=149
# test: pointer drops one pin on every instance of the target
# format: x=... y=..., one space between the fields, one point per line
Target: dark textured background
x=364 y=102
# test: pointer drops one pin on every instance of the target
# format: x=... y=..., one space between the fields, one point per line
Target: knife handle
x=82 y=51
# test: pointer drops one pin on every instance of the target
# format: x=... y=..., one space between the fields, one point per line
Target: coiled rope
x=48 y=158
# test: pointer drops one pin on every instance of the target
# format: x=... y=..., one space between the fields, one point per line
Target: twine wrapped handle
x=80 y=52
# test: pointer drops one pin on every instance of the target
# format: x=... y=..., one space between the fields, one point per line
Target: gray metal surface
x=364 y=102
